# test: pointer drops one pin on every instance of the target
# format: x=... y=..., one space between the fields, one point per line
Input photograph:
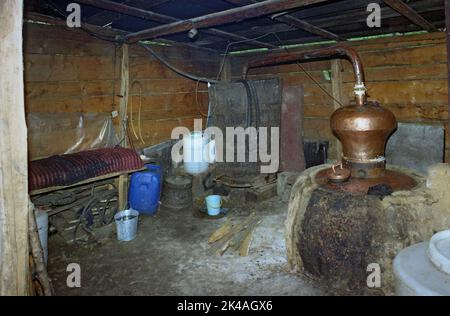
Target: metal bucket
x=126 y=224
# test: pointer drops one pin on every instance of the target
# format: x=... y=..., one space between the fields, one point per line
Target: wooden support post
x=124 y=89
x=336 y=87
x=447 y=25
x=14 y=259
x=122 y=189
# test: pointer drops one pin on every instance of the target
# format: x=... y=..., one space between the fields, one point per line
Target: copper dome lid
x=363 y=132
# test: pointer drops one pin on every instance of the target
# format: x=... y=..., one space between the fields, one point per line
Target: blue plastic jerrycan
x=145 y=189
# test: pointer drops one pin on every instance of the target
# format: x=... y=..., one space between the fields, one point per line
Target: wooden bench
x=121 y=181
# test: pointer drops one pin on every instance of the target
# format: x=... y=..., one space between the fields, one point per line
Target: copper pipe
x=337 y=51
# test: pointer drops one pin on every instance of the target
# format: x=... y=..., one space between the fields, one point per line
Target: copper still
x=363 y=129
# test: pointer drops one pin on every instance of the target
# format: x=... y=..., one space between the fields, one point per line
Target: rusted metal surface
x=394 y=179
x=230 y=105
x=363 y=132
x=218 y=18
x=292 y=157
x=177 y=193
x=338 y=174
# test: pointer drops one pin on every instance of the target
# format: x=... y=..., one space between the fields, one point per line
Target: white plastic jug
x=424 y=269
x=198 y=152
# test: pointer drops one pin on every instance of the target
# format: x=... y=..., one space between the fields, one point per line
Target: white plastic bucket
x=126 y=224
x=42 y=226
x=198 y=152
x=424 y=269
x=213 y=203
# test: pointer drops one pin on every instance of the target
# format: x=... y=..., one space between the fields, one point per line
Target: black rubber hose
x=254 y=95
x=176 y=70
x=249 y=101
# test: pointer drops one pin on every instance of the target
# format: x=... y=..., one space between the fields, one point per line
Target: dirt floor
x=171 y=256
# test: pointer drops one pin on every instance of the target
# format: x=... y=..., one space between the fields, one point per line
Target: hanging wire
x=196 y=100
x=307 y=73
x=222 y=64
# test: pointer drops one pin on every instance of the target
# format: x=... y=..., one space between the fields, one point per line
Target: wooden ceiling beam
x=411 y=14
x=295 y=22
x=107 y=17
x=161 y=18
x=32 y=16
x=218 y=18
x=305 y=26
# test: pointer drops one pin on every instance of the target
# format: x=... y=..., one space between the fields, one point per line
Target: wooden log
x=219 y=18
x=124 y=90
x=409 y=13
x=220 y=233
x=226 y=241
x=104 y=16
x=14 y=262
x=153 y=16
x=122 y=189
x=244 y=248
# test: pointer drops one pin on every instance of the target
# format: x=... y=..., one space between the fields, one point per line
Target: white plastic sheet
x=62 y=133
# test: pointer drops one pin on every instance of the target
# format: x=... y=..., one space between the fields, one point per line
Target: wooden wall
x=69 y=71
x=407 y=74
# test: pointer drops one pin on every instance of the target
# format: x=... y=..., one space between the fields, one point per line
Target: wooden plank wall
x=69 y=71
x=407 y=74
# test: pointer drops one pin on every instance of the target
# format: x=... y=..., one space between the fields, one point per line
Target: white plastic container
x=198 y=152
x=42 y=226
x=424 y=269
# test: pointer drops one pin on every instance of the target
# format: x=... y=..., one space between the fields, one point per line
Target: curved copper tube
x=337 y=51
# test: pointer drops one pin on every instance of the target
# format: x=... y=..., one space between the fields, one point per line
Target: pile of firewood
x=237 y=236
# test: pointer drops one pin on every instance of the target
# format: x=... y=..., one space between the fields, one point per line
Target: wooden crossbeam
x=106 y=17
x=293 y=21
x=301 y=24
x=161 y=18
x=105 y=31
x=411 y=14
x=219 y=18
